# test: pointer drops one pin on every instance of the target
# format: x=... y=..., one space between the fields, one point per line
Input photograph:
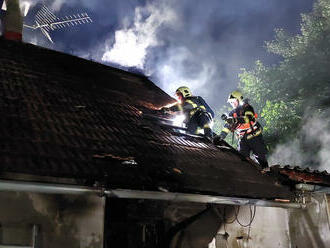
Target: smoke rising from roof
x=200 y=44
x=310 y=148
x=132 y=41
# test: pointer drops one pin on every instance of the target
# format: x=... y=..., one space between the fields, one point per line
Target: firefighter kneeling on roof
x=197 y=112
x=242 y=120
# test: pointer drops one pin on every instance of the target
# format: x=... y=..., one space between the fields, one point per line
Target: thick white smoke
x=25 y=5
x=133 y=41
x=177 y=61
x=172 y=71
x=311 y=145
x=200 y=44
x=56 y=5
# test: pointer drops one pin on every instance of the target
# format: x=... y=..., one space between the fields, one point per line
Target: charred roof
x=296 y=174
x=66 y=117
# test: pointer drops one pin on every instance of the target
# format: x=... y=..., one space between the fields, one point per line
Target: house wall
x=78 y=221
x=278 y=227
x=310 y=228
x=63 y=220
x=269 y=228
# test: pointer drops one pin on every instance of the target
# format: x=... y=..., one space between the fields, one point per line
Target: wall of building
x=78 y=222
x=277 y=227
x=269 y=228
x=311 y=227
x=63 y=220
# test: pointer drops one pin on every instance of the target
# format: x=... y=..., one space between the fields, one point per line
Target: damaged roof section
x=66 y=117
x=296 y=174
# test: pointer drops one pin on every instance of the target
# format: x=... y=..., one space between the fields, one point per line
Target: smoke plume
x=133 y=41
x=200 y=44
x=310 y=148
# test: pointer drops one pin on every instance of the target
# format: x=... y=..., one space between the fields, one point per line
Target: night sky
x=202 y=44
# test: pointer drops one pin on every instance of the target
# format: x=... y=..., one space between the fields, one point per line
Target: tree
x=300 y=81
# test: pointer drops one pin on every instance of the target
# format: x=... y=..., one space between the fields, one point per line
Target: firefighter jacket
x=192 y=105
x=244 y=122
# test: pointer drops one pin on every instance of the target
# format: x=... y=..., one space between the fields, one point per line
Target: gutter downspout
x=46 y=188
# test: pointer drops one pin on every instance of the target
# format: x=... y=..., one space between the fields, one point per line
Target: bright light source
x=178 y=120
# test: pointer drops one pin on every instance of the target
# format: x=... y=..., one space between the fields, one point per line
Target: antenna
x=47 y=21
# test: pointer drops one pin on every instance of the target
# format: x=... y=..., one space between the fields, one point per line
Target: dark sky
x=202 y=44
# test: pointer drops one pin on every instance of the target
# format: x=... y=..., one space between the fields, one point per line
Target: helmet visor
x=231 y=98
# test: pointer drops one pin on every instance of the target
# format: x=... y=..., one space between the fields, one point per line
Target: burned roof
x=297 y=174
x=65 y=117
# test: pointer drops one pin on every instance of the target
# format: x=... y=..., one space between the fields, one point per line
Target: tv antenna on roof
x=47 y=21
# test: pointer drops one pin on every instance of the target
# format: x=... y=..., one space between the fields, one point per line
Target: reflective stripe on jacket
x=191 y=106
x=247 y=125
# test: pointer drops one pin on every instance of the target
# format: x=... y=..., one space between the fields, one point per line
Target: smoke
x=167 y=46
x=179 y=69
x=56 y=5
x=310 y=148
x=132 y=42
x=200 y=44
x=287 y=154
x=26 y=4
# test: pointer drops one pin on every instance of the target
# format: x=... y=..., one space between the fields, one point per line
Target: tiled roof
x=65 y=117
x=302 y=175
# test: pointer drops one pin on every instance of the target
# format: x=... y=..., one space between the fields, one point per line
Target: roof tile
x=78 y=119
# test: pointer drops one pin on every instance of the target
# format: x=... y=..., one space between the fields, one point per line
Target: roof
x=296 y=174
x=65 y=117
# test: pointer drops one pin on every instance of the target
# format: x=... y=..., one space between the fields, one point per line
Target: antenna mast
x=47 y=21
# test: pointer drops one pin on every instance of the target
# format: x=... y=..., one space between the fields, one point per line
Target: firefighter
x=242 y=120
x=197 y=112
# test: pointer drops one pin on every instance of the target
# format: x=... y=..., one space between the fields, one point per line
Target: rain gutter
x=46 y=188
x=312 y=188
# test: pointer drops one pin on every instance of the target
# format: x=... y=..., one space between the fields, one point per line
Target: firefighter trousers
x=200 y=120
x=257 y=146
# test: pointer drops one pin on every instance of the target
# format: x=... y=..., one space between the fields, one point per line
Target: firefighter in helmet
x=197 y=112
x=242 y=120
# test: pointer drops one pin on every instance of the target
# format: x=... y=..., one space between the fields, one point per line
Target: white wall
x=278 y=228
x=268 y=229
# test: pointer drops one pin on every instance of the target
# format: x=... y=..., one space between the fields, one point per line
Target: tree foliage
x=300 y=84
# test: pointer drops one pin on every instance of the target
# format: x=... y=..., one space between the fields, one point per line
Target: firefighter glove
x=231 y=120
x=164 y=110
x=224 y=117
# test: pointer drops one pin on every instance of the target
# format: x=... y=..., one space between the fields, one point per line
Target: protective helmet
x=235 y=95
x=185 y=91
